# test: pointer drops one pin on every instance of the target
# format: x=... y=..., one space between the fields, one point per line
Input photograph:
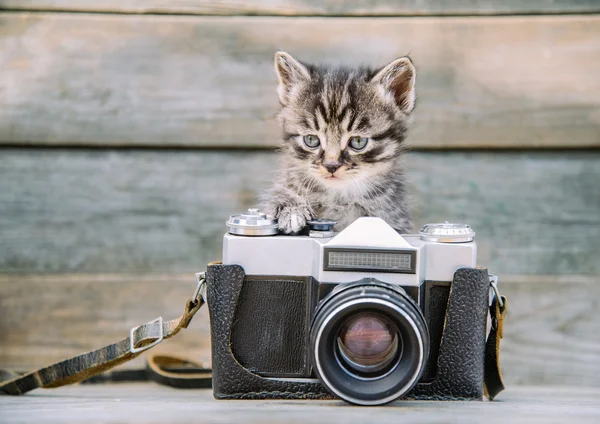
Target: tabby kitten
x=343 y=133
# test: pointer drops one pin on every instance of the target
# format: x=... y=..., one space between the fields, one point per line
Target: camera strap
x=492 y=374
x=141 y=338
x=182 y=373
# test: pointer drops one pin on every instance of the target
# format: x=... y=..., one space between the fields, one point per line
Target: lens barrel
x=369 y=342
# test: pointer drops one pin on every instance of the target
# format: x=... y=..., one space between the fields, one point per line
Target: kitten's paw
x=293 y=218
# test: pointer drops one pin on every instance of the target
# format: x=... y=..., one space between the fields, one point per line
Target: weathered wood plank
x=132 y=211
x=151 y=403
x=548 y=334
x=208 y=81
x=72 y=314
x=551 y=332
x=310 y=7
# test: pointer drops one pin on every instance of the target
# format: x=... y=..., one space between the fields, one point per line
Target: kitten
x=343 y=133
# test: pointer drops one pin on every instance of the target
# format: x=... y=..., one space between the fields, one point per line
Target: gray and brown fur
x=333 y=180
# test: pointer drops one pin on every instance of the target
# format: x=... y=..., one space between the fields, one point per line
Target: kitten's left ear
x=398 y=78
x=290 y=72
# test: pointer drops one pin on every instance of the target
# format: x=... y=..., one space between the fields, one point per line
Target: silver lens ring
x=391 y=383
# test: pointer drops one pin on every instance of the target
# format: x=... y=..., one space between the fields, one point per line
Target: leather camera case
x=458 y=368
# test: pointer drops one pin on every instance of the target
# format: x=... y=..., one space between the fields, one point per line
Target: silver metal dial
x=447 y=232
x=321 y=228
x=252 y=223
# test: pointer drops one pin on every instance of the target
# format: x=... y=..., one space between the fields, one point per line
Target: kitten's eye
x=358 y=143
x=311 y=141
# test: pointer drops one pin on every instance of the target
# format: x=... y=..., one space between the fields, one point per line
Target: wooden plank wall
x=97 y=235
x=164 y=211
x=549 y=334
x=131 y=80
x=312 y=7
x=120 y=215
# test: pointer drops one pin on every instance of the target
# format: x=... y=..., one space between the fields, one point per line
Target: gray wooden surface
x=149 y=403
x=550 y=335
x=311 y=7
x=80 y=79
x=164 y=211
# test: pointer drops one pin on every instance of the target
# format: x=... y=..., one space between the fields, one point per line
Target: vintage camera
x=367 y=314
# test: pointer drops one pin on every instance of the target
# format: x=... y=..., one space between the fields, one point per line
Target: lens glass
x=368 y=344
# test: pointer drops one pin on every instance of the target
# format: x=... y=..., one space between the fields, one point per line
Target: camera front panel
x=270 y=332
x=269 y=335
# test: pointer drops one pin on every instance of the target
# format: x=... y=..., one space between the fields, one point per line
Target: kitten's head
x=344 y=126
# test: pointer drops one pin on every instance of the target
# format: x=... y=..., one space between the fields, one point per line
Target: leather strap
x=178 y=372
x=493 y=383
x=92 y=363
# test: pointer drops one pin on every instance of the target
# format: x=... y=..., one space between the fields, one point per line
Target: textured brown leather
x=493 y=375
x=92 y=363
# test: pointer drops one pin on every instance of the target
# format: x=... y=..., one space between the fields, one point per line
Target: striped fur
x=336 y=104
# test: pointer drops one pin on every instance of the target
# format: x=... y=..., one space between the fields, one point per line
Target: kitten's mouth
x=334 y=179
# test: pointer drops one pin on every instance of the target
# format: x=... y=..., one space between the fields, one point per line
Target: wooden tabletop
x=151 y=403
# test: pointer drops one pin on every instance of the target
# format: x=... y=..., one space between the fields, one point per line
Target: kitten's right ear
x=398 y=78
x=290 y=72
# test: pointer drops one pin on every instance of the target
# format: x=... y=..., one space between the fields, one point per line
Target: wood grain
x=144 y=211
x=549 y=333
x=72 y=314
x=310 y=7
x=150 y=403
x=117 y=80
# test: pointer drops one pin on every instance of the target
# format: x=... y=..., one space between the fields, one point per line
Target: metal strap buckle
x=160 y=338
x=494 y=285
x=200 y=292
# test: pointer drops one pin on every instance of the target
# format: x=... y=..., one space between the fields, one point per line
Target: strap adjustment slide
x=200 y=292
x=161 y=335
x=494 y=286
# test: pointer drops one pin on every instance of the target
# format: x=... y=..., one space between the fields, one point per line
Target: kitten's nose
x=332 y=167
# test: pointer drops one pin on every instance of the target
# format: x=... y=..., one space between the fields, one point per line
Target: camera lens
x=369 y=342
